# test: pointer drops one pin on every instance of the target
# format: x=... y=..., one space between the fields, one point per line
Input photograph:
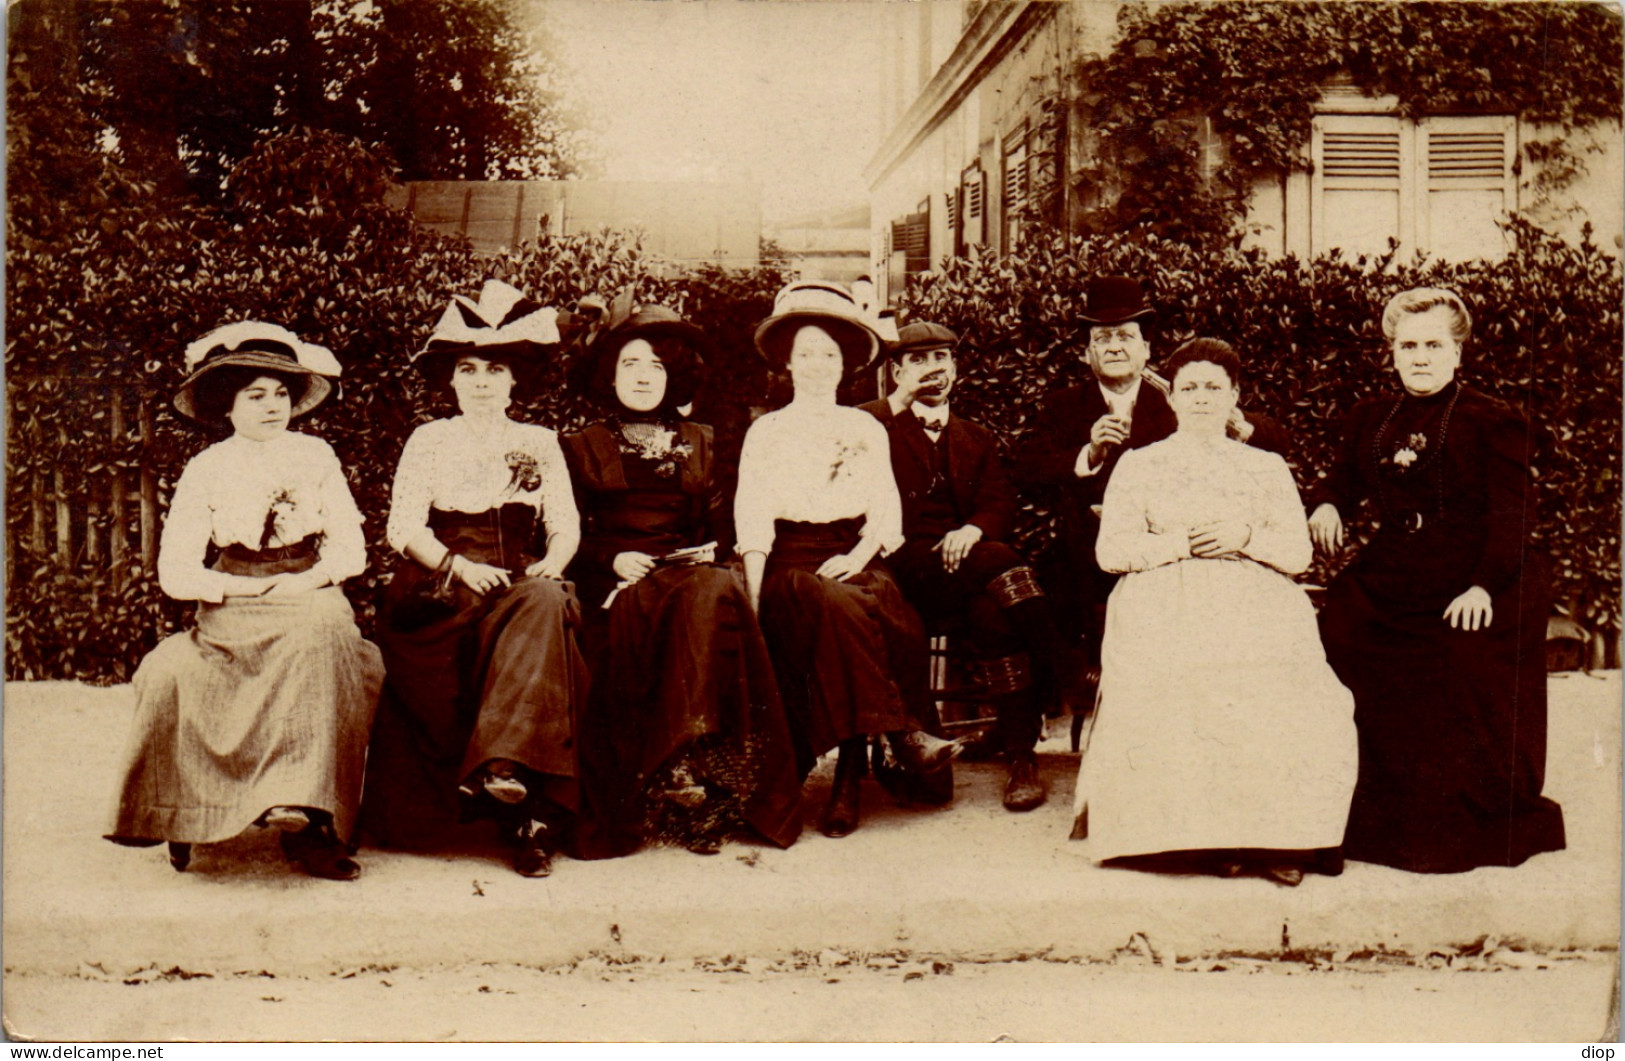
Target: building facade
x=981 y=135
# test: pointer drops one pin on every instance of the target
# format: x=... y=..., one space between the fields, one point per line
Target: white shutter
x=1469 y=186
x=1360 y=191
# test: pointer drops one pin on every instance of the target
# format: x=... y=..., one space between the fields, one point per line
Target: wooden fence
x=79 y=513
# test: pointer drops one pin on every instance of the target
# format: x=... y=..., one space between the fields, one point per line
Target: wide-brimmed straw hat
x=830 y=307
x=503 y=324
x=255 y=344
x=1115 y=300
x=683 y=356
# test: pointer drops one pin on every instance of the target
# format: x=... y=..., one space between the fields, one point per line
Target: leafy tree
x=178 y=92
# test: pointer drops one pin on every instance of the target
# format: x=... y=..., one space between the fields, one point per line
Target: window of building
x=1439 y=185
x=910 y=247
x=1015 y=185
x=969 y=221
x=1034 y=161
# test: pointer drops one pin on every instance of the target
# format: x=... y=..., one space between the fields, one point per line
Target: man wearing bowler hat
x=958 y=512
x=1082 y=431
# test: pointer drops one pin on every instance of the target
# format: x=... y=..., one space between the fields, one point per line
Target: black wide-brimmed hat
x=255 y=344
x=1115 y=300
x=504 y=324
x=828 y=306
x=683 y=356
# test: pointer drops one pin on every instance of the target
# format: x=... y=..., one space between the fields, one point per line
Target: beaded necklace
x=1379 y=442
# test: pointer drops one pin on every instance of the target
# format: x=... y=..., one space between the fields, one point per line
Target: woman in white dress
x=259 y=715
x=478 y=627
x=1224 y=742
x=817 y=508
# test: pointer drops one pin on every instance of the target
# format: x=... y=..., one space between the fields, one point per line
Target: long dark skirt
x=502 y=678
x=851 y=656
x=682 y=671
x=1452 y=723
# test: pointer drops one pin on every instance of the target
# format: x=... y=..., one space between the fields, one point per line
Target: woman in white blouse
x=816 y=508
x=478 y=629
x=259 y=715
x=1224 y=742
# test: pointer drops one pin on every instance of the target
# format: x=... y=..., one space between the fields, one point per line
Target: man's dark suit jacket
x=976 y=475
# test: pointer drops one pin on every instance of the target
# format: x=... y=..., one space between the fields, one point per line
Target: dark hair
x=676 y=356
x=215 y=393
x=437 y=368
x=1211 y=351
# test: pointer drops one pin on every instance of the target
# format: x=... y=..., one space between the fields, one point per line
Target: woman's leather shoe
x=320 y=853
x=533 y=850
x=841 y=813
x=920 y=752
x=1285 y=876
x=180 y=855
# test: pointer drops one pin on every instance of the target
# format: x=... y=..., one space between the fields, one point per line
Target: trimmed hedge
x=1546 y=339
x=307 y=244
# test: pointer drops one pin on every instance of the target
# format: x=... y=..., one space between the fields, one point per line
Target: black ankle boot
x=319 y=852
x=841 y=813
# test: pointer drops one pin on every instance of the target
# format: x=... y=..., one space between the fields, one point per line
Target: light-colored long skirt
x=268 y=702
x=1220 y=723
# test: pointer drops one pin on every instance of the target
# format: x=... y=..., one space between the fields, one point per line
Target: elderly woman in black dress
x=1438 y=625
x=817 y=507
x=478 y=628
x=259 y=715
x=686 y=739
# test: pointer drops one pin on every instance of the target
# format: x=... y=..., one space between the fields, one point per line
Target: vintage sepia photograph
x=915 y=521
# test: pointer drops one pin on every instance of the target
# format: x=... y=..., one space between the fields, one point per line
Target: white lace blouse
x=816 y=464
x=263 y=495
x=1160 y=492
x=453 y=464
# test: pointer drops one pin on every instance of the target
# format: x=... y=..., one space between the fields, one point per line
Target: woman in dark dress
x=817 y=506
x=686 y=739
x=484 y=678
x=1438 y=625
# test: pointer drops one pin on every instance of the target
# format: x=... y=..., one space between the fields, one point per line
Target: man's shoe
x=1024 y=790
x=533 y=850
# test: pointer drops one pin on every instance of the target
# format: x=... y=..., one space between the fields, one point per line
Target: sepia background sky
x=780 y=92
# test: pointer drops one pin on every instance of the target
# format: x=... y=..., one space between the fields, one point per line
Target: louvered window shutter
x=1015 y=186
x=1469 y=186
x=1360 y=192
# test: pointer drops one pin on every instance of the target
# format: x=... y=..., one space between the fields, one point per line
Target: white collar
x=1124 y=402
x=925 y=413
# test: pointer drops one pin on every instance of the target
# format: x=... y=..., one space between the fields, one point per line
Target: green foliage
x=306 y=244
x=1546 y=339
x=1255 y=70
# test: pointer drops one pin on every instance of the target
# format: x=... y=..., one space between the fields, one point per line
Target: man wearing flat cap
x=1082 y=431
x=958 y=512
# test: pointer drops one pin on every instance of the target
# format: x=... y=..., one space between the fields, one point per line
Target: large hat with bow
x=503 y=324
x=602 y=331
x=255 y=344
x=830 y=307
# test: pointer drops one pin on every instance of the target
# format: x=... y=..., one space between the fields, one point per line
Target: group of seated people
x=588 y=641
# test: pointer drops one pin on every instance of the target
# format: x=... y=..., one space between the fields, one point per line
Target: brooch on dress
x=276 y=518
x=657 y=444
x=1407 y=455
x=525 y=476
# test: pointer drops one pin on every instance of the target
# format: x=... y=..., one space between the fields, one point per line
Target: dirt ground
x=962 y=923
x=1510 y=997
